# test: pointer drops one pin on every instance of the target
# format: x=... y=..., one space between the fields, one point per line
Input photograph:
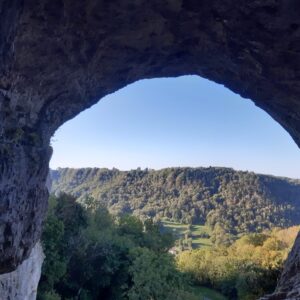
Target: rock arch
x=58 y=57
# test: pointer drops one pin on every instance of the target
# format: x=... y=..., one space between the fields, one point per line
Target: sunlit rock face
x=58 y=57
x=22 y=283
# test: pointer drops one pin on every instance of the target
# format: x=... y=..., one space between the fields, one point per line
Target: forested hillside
x=224 y=199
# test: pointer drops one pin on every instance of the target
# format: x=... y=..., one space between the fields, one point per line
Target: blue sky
x=185 y=121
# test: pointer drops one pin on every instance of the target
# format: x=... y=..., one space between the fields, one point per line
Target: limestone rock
x=22 y=283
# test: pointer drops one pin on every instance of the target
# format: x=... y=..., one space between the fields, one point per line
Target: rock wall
x=59 y=57
x=23 y=194
x=22 y=283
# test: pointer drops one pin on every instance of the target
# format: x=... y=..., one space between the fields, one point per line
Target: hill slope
x=235 y=201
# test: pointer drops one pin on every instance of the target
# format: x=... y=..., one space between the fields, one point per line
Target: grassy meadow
x=196 y=233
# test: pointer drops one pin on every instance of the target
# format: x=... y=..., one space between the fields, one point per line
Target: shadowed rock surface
x=58 y=57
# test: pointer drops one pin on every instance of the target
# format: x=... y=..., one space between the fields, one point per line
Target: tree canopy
x=92 y=255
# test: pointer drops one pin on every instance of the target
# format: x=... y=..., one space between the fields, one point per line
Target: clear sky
x=185 y=121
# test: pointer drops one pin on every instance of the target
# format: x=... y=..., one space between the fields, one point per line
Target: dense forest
x=228 y=201
x=93 y=255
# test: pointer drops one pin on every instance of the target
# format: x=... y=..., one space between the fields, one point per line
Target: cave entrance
x=96 y=48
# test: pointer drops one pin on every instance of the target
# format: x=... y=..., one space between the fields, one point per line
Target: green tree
x=154 y=277
x=54 y=267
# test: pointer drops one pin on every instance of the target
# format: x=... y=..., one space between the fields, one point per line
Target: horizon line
x=176 y=167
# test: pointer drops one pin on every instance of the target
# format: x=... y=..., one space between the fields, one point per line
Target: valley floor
x=189 y=235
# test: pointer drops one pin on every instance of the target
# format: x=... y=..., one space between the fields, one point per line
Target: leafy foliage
x=155 y=276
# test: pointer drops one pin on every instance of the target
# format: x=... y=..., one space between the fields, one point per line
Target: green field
x=207 y=294
x=179 y=231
